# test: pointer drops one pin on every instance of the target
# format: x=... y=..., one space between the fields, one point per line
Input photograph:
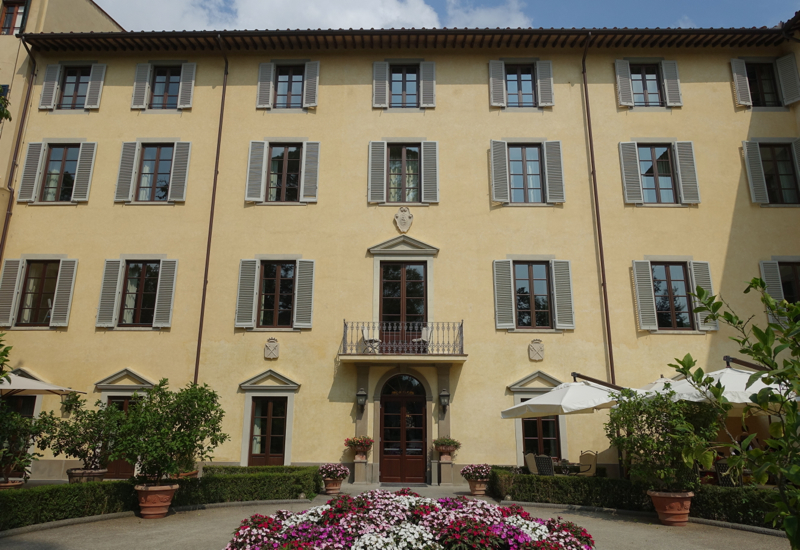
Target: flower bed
x=383 y=520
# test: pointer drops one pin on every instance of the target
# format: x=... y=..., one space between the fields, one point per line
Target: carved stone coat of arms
x=271 y=349
x=536 y=350
x=403 y=219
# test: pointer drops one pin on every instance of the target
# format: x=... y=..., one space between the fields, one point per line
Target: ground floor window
x=540 y=436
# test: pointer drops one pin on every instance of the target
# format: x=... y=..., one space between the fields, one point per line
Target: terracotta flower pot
x=10 y=485
x=333 y=486
x=446 y=452
x=184 y=475
x=672 y=508
x=154 y=500
x=79 y=475
x=477 y=487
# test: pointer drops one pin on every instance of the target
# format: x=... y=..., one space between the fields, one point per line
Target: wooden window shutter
x=687 y=172
x=740 y=83
x=94 y=90
x=430 y=171
x=84 y=171
x=624 y=86
x=311 y=84
x=31 y=172
x=701 y=276
x=553 y=172
x=266 y=80
x=141 y=86
x=179 y=177
x=427 y=84
x=377 y=171
x=304 y=294
x=380 y=84
x=544 y=83
x=755 y=172
x=672 y=83
x=309 y=179
x=165 y=293
x=108 y=308
x=9 y=287
x=255 y=188
x=504 y=294
x=62 y=301
x=631 y=177
x=186 y=89
x=771 y=274
x=247 y=295
x=497 y=83
x=501 y=191
x=127 y=171
x=645 y=299
x=563 y=312
x=52 y=76
x=788 y=78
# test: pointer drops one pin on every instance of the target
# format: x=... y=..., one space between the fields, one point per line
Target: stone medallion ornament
x=403 y=219
x=536 y=350
x=272 y=349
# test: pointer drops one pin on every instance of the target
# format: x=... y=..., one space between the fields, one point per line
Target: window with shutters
x=59 y=173
x=165 y=86
x=289 y=86
x=155 y=167
x=671 y=288
x=521 y=85
x=763 y=85
x=403 y=173
x=655 y=167
x=38 y=293
x=74 y=85
x=525 y=173
x=779 y=173
x=284 y=172
x=532 y=294
x=276 y=294
x=404 y=83
x=139 y=289
x=13 y=13
x=540 y=436
x=646 y=83
x=790 y=281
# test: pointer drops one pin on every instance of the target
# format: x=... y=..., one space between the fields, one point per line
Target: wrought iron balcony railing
x=439 y=338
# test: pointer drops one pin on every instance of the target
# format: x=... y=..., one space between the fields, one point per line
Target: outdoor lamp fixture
x=361 y=398
x=444 y=399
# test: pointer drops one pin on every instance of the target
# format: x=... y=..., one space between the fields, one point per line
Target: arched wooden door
x=403 y=431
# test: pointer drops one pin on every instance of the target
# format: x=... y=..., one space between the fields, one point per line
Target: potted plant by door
x=361 y=445
x=17 y=436
x=477 y=475
x=333 y=475
x=661 y=441
x=446 y=446
x=88 y=435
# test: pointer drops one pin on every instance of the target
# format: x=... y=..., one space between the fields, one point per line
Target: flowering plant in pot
x=17 y=435
x=446 y=446
x=361 y=445
x=477 y=475
x=333 y=474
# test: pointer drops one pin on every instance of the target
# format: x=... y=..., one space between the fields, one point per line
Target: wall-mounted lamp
x=444 y=399
x=361 y=398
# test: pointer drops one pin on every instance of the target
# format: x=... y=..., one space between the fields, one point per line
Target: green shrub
x=212 y=470
x=501 y=480
x=746 y=505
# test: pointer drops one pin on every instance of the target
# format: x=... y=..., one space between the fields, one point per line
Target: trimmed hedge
x=747 y=505
x=212 y=470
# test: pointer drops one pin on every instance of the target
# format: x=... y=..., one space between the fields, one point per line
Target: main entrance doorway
x=403 y=433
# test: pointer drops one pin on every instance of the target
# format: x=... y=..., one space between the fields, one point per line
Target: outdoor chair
x=422 y=341
x=531 y=464
x=544 y=465
x=724 y=478
x=372 y=345
x=588 y=465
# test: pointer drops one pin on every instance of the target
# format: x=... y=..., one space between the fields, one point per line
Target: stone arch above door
x=376 y=396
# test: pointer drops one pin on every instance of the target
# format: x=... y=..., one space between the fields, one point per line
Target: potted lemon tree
x=17 y=436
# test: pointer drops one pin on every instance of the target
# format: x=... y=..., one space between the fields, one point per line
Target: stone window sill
x=146 y=203
x=276 y=203
x=537 y=330
x=679 y=332
x=530 y=204
x=661 y=205
x=53 y=203
x=398 y=204
x=265 y=329
x=780 y=206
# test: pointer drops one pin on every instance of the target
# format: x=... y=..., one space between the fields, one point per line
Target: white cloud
x=510 y=14
x=685 y=23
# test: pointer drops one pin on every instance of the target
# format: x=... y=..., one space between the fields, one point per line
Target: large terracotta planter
x=333 y=486
x=446 y=452
x=184 y=475
x=672 y=508
x=79 y=475
x=477 y=487
x=154 y=500
x=10 y=485
x=361 y=453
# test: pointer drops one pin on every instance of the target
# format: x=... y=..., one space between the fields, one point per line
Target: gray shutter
x=497 y=84
x=645 y=299
x=504 y=311
x=672 y=83
x=631 y=177
x=427 y=84
x=624 y=87
x=796 y=155
x=186 y=89
x=247 y=295
x=165 y=293
x=377 y=171
x=266 y=79
x=687 y=172
x=430 y=171
x=380 y=84
x=771 y=274
x=62 y=301
x=788 y=78
x=255 y=187
x=9 y=286
x=83 y=173
x=701 y=276
x=108 y=308
x=309 y=180
x=127 y=170
x=31 y=172
x=179 y=178
x=311 y=84
x=553 y=172
x=52 y=75
x=755 y=172
x=563 y=312
x=501 y=191
x=141 y=86
x=740 y=83
x=544 y=83
x=304 y=294
x=95 y=88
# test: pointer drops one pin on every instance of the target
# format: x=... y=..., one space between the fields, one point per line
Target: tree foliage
x=17 y=435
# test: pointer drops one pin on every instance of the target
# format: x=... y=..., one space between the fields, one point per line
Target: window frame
x=534 y=85
x=673 y=172
x=139 y=172
x=402 y=321
x=166 y=95
x=137 y=308
x=540 y=434
x=289 y=95
x=404 y=103
x=282 y=186
x=757 y=95
x=17 y=17
x=63 y=84
x=403 y=174
x=525 y=188
x=39 y=293
x=688 y=282
x=639 y=69
x=771 y=190
x=276 y=294
x=59 y=188
x=795 y=267
x=531 y=279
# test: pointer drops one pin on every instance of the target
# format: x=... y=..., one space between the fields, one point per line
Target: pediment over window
x=404 y=245
x=26 y=374
x=537 y=382
x=270 y=380
x=126 y=380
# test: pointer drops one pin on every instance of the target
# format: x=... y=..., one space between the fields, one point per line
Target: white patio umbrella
x=21 y=385
x=570 y=398
x=658 y=385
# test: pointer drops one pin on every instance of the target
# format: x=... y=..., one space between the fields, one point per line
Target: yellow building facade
x=395 y=233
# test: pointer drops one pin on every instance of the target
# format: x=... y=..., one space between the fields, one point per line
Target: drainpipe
x=598 y=225
x=211 y=214
x=12 y=173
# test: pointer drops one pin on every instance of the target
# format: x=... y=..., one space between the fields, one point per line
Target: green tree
x=17 y=435
x=4 y=359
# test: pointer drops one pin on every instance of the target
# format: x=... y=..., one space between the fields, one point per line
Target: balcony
x=426 y=342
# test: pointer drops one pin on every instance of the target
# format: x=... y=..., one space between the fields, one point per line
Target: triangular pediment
x=536 y=382
x=270 y=380
x=126 y=379
x=404 y=245
x=26 y=374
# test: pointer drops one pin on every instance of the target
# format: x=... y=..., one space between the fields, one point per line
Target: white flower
x=536 y=531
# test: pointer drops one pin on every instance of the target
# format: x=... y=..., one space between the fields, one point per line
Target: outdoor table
x=568 y=468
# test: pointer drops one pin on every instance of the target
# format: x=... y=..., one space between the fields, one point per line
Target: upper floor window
x=529 y=173
x=654 y=84
x=403 y=172
x=671 y=289
x=532 y=292
x=655 y=165
x=59 y=176
x=289 y=86
x=520 y=89
x=137 y=293
x=38 y=293
x=521 y=84
x=646 y=85
x=659 y=173
x=779 y=173
x=284 y=173
x=165 y=87
x=762 y=84
x=56 y=172
x=276 y=294
x=403 y=178
x=525 y=172
x=767 y=82
x=790 y=281
x=154 y=172
x=13 y=13
x=74 y=86
x=405 y=86
x=139 y=289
